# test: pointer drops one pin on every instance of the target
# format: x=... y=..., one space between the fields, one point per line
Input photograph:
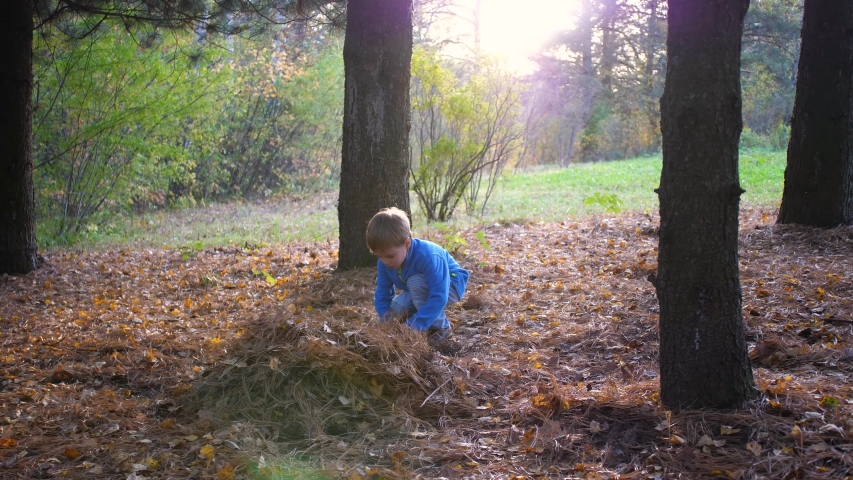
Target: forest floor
x=261 y=362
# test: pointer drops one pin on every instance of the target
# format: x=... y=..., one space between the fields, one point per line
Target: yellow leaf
x=795 y=431
x=206 y=452
x=754 y=447
x=226 y=472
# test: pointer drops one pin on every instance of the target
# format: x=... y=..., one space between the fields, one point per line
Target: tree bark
x=703 y=355
x=377 y=120
x=18 y=250
x=819 y=175
x=585 y=28
x=609 y=12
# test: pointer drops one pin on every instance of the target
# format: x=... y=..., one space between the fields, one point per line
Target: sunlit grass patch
x=542 y=194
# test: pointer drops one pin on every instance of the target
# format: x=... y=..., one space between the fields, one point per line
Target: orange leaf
x=71 y=453
x=8 y=442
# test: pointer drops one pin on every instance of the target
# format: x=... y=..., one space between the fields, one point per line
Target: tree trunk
x=18 y=251
x=703 y=355
x=585 y=28
x=609 y=12
x=819 y=176
x=377 y=119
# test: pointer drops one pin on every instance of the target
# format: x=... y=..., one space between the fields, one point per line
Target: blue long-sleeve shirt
x=440 y=271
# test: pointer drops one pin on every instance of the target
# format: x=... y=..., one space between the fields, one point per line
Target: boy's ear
x=408 y=243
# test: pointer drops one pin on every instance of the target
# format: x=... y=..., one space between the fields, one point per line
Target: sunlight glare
x=515 y=30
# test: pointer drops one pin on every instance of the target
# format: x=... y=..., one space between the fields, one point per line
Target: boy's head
x=389 y=235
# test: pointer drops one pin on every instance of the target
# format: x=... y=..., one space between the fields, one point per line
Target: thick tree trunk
x=377 y=120
x=703 y=355
x=819 y=176
x=18 y=252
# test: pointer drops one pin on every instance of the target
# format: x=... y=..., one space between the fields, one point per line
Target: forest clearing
x=259 y=361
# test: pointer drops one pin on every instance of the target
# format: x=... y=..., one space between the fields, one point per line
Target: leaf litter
x=261 y=362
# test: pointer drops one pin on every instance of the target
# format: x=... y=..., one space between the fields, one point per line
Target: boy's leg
x=440 y=329
x=402 y=305
x=419 y=290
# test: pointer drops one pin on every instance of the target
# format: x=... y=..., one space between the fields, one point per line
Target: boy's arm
x=437 y=275
x=384 y=292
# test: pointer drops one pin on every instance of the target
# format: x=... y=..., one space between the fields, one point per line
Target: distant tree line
x=596 y=93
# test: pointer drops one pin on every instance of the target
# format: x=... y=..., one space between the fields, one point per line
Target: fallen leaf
x=818 y=447
x=754 y=447
x=595 y=426
x=226 y=472
x=71 y=453
x=206 y=452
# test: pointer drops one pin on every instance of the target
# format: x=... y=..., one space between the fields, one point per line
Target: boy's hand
x=392 y=317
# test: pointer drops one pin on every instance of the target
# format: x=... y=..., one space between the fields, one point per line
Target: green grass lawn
x=544 y=194
x=553 y=194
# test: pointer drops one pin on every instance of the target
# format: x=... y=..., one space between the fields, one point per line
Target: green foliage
x=609 y=201
x=134 y=119
x=191 y=251
x=462 y=136
x=267 y=277
x=279 y=129
x=481 y=237
x=769 y=62
x=775 y=139
x=779 y=137
x=107 y=121
x=750 y=139
x=453 y=241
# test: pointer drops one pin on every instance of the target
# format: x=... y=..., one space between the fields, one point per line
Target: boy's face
x=395 y=256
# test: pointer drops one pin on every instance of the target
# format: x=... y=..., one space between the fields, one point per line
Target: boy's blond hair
x=389 y=228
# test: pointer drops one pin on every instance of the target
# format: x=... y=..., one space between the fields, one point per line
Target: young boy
x=427 y=276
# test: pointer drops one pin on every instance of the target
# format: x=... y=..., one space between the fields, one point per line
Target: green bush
x=750 y=139
x=463 y=134
x=780 y=136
